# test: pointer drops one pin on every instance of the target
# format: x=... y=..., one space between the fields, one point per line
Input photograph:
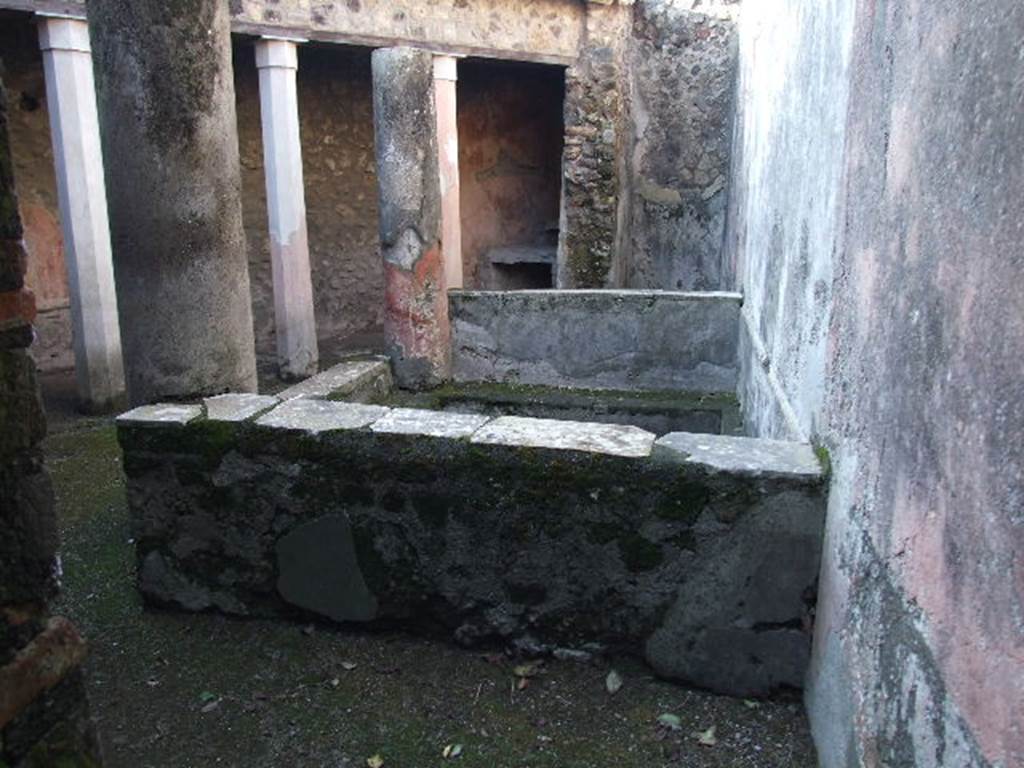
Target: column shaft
x=167 y=113
x=81 y=192
x=445 y=79
x=297 y=356
x=405 y=120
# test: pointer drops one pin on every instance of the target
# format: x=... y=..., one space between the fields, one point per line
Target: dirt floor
x=171 y=689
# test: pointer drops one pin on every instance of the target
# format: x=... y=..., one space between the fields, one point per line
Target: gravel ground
x=171 y=689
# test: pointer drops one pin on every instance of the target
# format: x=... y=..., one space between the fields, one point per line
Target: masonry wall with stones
x=682 y=66
x=540 y=534
x=510 y=159
x=44 y=715
x=875 y=235
x=592 y=229
x=336 y=122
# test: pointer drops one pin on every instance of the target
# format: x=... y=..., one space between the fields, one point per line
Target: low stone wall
x=597 y=339
x=699 y=552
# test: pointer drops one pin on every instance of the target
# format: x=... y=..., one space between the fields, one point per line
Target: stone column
x=277 y=60
x=74 y=127
x=445 y=77
x=405 y=119
x=167 y=113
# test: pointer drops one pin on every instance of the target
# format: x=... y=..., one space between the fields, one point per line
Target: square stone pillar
x=416 y=326
x=445 y=79
x=277 y=61
x=82 y=196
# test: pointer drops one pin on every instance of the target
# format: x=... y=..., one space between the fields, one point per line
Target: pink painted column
x=445 y=78
x=416 y=326
x=295 y=324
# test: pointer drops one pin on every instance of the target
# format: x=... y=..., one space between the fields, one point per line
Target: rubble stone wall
x=682 y=66
x=699 y=552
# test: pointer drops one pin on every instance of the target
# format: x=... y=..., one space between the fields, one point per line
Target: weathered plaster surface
x=542 y=30
x=877 y=246
x=548 y=28
x=599 y=339
x=793 y=91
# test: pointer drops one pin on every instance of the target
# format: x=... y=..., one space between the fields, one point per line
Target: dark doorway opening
x=511 y=127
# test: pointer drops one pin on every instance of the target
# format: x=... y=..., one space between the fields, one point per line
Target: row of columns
x=175 y=233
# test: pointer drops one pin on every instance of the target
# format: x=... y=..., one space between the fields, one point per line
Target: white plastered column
x=277 y=61
x=445 y=79
x=78 y=157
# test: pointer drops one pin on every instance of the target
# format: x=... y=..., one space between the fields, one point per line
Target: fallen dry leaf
x=531 y=669
x=374 y=762
x=670 y=721
x=706 y=738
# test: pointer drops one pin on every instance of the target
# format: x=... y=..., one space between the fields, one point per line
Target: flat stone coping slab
x=162 y=413
x=317 y=416
x=237 y=408
x=609 y=439
x=741 y=455
x=602 y=294
x=341 y=379
x=412 y=421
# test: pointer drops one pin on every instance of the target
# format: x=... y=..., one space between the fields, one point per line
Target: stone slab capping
x=697 y=552
x=355 y=380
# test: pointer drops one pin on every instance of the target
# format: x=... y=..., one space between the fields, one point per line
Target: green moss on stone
x=602 y=533
x=825 y=459
x=683 y=501
x=639 y=554
x=685 y=540
x=432 y=508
